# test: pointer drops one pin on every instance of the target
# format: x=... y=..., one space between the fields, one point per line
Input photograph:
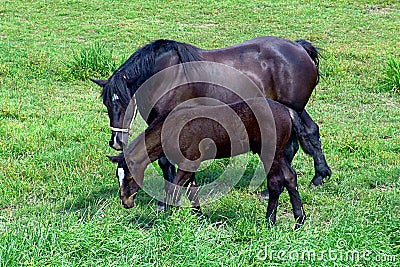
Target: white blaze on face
x=121 y=176
x=115 y=97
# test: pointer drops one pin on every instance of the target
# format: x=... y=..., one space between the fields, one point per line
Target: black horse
x=283 y=70
x=218 y=131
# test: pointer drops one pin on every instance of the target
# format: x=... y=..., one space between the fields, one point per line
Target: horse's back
x=281 y=68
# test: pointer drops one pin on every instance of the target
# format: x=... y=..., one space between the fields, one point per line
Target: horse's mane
x=140 y=67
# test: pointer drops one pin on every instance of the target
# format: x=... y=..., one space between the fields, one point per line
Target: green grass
x=391 y=79
x=59 y=203
x=91 y=62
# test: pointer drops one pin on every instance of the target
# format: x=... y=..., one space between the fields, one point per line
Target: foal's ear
x=116 y=159
x=101 y=83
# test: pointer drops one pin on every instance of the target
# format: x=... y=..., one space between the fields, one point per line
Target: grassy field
x=59 y=203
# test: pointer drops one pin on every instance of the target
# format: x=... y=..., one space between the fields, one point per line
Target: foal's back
x=207 y=132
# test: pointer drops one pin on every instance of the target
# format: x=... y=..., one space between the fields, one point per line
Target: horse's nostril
x=115 y=146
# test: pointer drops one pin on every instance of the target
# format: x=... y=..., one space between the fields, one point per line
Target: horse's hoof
x=323 y=171
x=264 y=195
x=199 y=214
x=271 y=224
x=317 y=181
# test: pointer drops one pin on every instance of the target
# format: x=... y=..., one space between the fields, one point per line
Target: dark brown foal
x=259 y=125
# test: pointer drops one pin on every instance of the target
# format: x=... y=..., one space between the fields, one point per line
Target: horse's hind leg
x=311 y=144
x=169 y=174
x=291 y=186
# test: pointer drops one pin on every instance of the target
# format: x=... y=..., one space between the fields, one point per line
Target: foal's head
x=127 y=184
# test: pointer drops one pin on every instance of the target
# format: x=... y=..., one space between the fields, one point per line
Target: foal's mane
x=140 y=66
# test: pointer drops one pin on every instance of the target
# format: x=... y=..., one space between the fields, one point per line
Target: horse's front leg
x=192 y=194
x=174 y=190
x=168 y=170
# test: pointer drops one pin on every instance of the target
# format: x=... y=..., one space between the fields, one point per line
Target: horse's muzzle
x=118 y=140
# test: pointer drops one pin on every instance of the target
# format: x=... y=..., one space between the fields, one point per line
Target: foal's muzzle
x=129 y=202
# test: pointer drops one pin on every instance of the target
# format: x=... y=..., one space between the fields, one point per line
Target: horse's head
x=127 y=184
x=116 y=102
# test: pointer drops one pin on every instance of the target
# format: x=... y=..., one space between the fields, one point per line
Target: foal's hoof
x=161 y=206
x=264 y=195
x=297 y=226
x=198 y=213
x=299 y=222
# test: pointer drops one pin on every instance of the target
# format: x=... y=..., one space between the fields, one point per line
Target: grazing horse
x=283 y=70
x=260 y=125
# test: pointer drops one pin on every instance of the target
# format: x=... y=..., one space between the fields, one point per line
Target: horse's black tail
x=312 y=51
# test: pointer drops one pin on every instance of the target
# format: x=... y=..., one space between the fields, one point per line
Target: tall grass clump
x=95 y=61
x=391 y=80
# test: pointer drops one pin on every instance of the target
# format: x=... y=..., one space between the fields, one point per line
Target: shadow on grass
x=93 y=198
x=145 y=214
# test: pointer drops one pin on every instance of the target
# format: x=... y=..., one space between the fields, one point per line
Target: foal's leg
x=275 y=185
x=291 y=149
x=167 y=168
x=311 y=144
x=291 y=186
x=169 y=173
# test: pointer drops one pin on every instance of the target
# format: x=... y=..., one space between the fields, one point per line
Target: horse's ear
x=101 y=83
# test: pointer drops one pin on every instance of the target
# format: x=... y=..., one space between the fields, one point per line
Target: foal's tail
x=312 y=51
x=300 y=131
